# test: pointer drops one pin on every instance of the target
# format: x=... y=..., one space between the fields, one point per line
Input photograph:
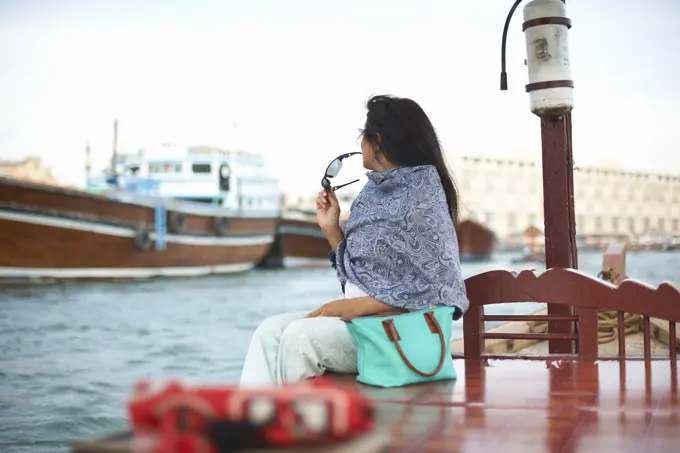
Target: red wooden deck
x=556 y=406
x=570 y=402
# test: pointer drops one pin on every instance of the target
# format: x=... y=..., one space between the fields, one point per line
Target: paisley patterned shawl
x=400 y=244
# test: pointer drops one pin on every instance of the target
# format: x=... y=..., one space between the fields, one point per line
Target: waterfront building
x=506 y=196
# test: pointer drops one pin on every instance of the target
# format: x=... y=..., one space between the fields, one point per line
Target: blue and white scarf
x=400 y=244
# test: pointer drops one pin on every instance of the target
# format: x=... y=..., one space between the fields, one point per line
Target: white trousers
x=289 y=347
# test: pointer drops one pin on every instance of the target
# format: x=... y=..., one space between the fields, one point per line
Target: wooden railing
x=586 y=295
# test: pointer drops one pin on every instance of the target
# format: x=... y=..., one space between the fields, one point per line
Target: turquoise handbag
x=408 y=348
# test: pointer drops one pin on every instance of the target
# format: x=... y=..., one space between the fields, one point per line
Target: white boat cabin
x=236 y=180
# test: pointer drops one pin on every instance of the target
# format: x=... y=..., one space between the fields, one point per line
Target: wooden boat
x=475 y=241
x=299 y=243
x=534 y=250
x=571 y=399
x=175 y=228
x=577 y=401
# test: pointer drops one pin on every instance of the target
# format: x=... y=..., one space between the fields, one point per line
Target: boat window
x=225 y=177
x=598 y=223
x=165 y=167
x=201 y=168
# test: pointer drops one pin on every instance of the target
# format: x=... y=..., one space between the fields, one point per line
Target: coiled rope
x=607 y=320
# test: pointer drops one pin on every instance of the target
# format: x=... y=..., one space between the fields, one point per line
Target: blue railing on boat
x=126 y=184
x=138 y=185
x=161 y=226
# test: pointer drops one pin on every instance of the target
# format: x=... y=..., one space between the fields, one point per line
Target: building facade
x=29 y=169
x=506 y=195
x=633 y=204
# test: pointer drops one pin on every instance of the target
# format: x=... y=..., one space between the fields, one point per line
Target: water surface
x=70 y=352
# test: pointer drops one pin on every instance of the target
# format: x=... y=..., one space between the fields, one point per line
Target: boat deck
x=557 y=406
x=523 y=406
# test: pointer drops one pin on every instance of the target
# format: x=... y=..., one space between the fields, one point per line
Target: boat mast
x=114 y=155
x=88 y=164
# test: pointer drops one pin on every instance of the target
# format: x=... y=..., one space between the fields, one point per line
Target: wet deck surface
x=537 y=406
x=525 y=406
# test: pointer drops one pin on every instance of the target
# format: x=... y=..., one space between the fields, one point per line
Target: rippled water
x=70 y=352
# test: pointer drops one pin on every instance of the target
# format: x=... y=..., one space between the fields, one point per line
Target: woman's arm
x=355 y=306
x=372 y=306
x=334 y=236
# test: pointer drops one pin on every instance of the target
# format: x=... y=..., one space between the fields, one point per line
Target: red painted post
x=558 y=208
x=550 y=89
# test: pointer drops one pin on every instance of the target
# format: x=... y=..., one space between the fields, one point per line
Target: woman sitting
x=398 y=250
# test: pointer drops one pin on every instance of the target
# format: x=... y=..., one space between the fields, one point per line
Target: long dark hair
x=407 y=138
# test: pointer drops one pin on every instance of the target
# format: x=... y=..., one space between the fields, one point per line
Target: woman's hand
x=341 y=307
x=354 y=306
x=327 y=211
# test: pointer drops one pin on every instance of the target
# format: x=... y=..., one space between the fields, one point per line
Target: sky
x=293 y=77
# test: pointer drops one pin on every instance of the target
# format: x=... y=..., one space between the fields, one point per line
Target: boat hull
x=70 y=235
x=299 y=244
x=475 y=241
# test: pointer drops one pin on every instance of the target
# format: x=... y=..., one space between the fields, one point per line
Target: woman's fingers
x=315 y=313
x=333 y=199
x=321 y=200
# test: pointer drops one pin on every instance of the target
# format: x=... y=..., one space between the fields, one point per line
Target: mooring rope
x=607 y=320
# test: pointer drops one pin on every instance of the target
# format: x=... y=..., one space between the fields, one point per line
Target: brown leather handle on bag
x=434 y=326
